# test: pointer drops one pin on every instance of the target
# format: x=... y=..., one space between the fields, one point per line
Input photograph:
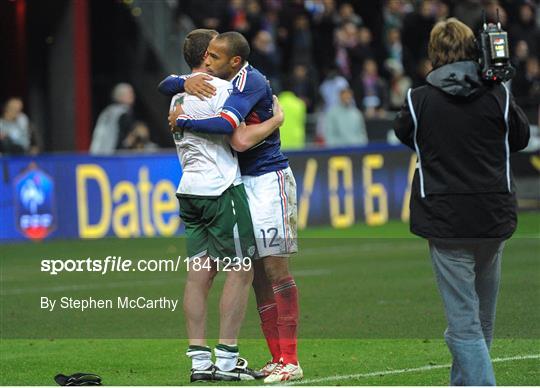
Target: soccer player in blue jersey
x=270 y=186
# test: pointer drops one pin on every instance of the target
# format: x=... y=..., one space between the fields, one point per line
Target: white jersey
x=209 y=164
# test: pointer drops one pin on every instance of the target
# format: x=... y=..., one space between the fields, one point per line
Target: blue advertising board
x=82 y=196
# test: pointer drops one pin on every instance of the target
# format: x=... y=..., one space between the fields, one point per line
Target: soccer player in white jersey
x=215 y=211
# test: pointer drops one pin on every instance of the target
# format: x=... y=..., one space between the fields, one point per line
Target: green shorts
x=218 y=227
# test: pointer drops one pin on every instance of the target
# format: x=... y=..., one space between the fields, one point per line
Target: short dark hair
x=237 y=44
x=196 y=44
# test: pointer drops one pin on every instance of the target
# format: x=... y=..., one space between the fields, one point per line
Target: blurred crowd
x=17 y=134
x=338 y=66
x=315 y=49
x=117 y=128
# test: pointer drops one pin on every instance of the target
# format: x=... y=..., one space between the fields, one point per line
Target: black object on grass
x=78 y=379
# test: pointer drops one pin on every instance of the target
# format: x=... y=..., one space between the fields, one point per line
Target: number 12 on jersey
x=269 y=237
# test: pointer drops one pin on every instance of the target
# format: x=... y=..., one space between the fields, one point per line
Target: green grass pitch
x=370 y=312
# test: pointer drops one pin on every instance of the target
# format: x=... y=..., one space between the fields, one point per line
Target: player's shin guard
x=286 y=296
x=269 y=316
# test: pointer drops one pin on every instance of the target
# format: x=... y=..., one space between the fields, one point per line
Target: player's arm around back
x=196 y=85
x=172 y=85
x=235 y=109
x=217 y=121
x=244 y=137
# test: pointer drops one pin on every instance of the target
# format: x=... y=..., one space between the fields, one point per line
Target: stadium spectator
x=254 y=17
x=17 y=135
x=344 y=124
x=270 y=23
x=521 y=53
x=393 y=14
x=236 y=16
x=393 y=44
x=399 y=84
x=526 y=29
x=139 y=139
x=397 y=52
x=361 y=50
x=323 y=26
x=469 y=12
x=293 y=130
x=416 y=28
x=114 y=122
x=346 y=38
x=265 y=58
x=304 y=85
x=370 y=91
x=302 y=41
x=331 y=88
x=526 y=86
x=346 y=15
x=463 y=195
x=442 y=11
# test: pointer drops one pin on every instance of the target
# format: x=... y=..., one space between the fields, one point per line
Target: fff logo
x=34 y=200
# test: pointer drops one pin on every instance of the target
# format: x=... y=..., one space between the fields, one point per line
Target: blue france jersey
x=251 y=101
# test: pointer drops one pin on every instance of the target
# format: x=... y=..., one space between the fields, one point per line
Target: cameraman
x=463 y=197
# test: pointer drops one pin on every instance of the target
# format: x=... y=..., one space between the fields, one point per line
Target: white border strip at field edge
x=400 y=371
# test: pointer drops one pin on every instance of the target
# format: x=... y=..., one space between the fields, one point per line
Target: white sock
x=201 y=357
x=226 y=357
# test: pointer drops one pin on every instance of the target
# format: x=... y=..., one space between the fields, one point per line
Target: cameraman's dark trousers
x=463 y=200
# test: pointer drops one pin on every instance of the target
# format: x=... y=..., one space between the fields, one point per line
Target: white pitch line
x=401 y=371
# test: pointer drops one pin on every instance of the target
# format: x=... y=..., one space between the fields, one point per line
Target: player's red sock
x=286 y=295
x=268 y=313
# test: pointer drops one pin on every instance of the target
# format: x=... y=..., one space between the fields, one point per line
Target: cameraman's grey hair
x=119 y=90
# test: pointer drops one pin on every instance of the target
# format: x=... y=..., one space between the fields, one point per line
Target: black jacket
x=463 y=185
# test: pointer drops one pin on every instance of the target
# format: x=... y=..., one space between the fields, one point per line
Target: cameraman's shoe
x=240 y=372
